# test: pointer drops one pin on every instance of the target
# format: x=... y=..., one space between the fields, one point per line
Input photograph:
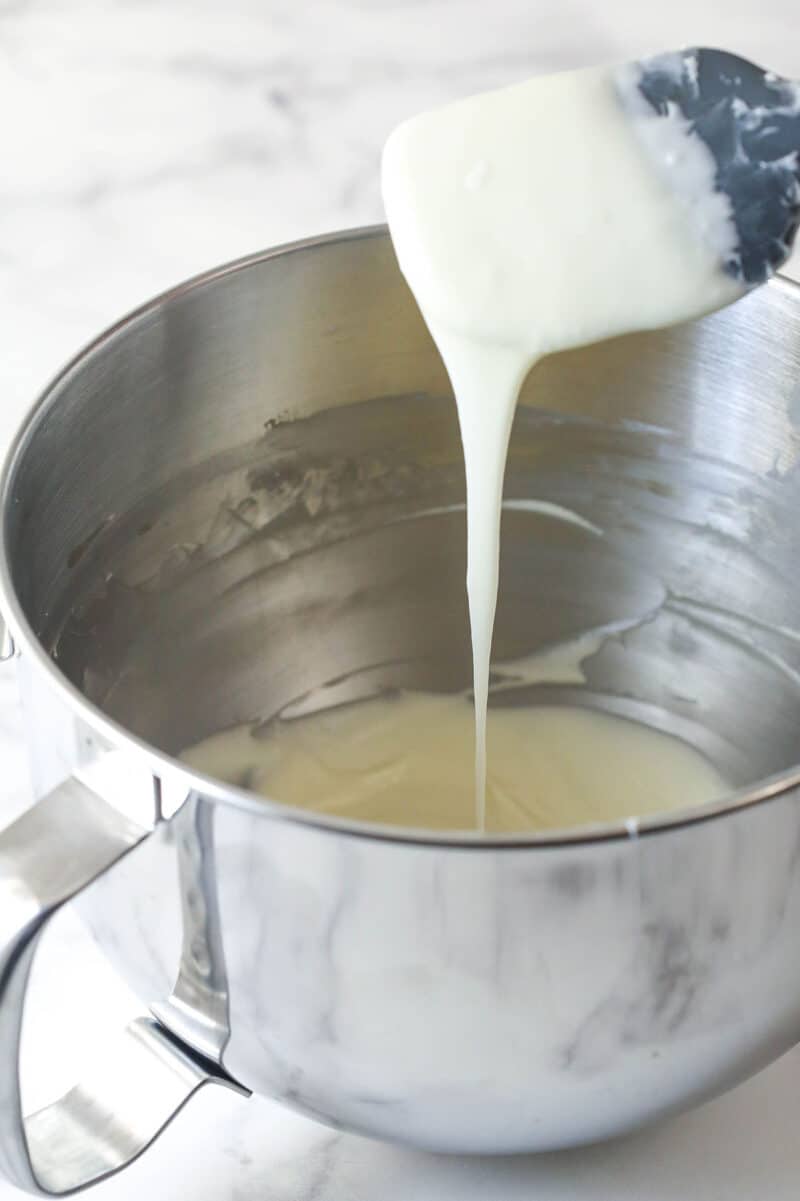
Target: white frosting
x=405 y=761
x=561 y=663
x=544 y=508
x=527 y=221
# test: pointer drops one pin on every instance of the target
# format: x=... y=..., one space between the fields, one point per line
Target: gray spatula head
x=749 y=120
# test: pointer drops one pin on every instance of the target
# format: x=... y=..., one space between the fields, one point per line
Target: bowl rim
x=166 y=767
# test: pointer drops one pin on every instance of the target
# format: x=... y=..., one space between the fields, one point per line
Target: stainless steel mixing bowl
x=225 y=504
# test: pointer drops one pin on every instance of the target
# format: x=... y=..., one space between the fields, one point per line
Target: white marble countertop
x=145 y=140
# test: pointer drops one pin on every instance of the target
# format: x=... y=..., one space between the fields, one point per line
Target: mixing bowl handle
x=47 y=856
